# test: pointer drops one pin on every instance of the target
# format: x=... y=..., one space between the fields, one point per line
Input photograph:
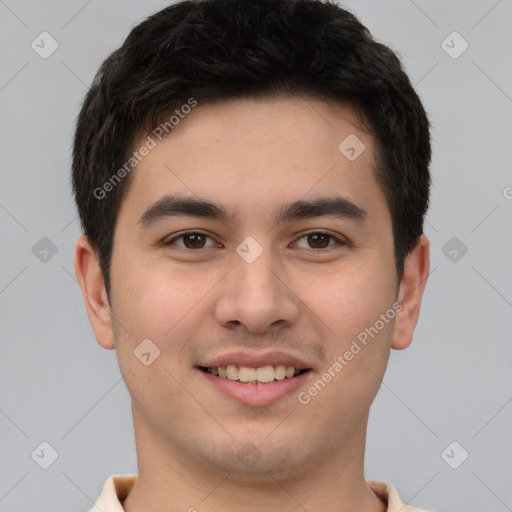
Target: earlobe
x=412 y=286
x=92 y=284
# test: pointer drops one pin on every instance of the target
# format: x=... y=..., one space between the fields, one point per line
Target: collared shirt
x=117 y=487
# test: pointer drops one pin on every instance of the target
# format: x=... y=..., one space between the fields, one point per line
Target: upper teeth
x=262 y=374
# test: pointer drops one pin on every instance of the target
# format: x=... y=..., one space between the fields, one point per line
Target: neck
x=169 y=480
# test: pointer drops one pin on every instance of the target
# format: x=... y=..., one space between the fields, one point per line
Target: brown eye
x=194 y=240
x=190 y=240
x=319 y=240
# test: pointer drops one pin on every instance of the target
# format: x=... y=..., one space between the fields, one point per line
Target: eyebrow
x=183 y=206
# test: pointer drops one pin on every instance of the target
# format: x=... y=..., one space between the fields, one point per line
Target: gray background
x=453 y=384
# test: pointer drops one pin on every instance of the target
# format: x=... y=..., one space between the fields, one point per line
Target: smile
x=261 y=375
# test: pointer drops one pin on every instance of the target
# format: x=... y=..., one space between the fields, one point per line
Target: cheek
x=358 y=347
x=351 y=298
x=153 y=299
x=157 y=303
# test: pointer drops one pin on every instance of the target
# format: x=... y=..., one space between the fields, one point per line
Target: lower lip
x=256 y=395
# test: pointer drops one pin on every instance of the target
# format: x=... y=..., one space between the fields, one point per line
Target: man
x=252 y=179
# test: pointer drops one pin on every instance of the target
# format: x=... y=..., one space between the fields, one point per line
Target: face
x=255 y=287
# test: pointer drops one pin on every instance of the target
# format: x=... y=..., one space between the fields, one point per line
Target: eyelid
x=339 y=239
x=177 y=236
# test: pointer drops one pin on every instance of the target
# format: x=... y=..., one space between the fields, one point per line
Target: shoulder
x=115 y=489
x=389 y=494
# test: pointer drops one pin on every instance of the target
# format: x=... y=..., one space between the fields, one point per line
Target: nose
x=256 y=297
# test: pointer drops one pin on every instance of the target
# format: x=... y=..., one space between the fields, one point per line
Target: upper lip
x=256 y=360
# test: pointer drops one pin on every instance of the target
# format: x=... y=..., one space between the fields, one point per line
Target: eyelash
x=324 y=233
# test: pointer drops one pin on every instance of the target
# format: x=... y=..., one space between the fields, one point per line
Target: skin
x=253 y=156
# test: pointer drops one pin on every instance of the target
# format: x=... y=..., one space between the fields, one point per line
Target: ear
x=91 y=282
x=410 y=293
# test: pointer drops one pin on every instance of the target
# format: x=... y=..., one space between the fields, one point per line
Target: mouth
x=255 y=381
x=263 y=375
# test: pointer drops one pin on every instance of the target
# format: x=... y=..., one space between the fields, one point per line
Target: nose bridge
x=256 y=295
x=256 y=280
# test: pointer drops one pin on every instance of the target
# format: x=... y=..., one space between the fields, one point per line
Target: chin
x=261 y=460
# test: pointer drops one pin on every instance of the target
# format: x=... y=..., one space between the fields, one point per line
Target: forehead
x=253 y=121
x=250 y=151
